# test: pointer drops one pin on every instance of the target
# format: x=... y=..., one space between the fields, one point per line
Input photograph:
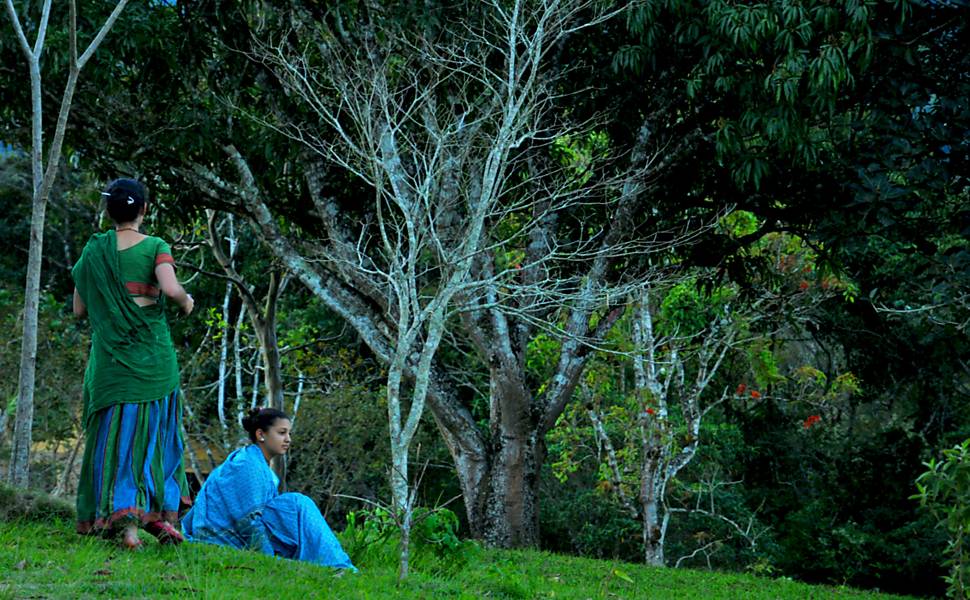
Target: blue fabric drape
x=240 y=506
x=297 y=530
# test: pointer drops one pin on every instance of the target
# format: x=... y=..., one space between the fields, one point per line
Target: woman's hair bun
x=261 y=418
x=250 y=419
x=125 y=199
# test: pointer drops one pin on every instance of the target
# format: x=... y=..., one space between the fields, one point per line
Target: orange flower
x=803 y=285
x=741 y=388
x=651 y=411
x=811 y=420
x=755 y=394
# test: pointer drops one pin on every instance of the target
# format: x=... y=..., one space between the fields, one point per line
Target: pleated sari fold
x=132 y=469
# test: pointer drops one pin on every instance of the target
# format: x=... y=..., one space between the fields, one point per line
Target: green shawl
x=132 y=358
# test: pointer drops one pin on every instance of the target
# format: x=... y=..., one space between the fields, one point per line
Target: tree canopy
x=793 y=172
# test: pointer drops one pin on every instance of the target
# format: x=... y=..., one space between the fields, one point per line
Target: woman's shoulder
x=153 y=246
x=98 y=237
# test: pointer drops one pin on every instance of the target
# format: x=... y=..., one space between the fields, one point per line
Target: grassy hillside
x=47 y=560
x=42 y=557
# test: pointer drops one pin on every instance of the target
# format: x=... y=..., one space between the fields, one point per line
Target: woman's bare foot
x=165 y=532
x=129 y=538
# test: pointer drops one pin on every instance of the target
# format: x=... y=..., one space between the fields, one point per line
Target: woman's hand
x=188 y=305
x=79 y=309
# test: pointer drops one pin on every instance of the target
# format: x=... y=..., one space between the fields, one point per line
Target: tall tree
x=43 y=180
x=442 y=126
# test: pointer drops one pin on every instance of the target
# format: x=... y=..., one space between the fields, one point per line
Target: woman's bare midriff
x=143 y=301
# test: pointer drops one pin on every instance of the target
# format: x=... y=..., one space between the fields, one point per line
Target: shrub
x=372 y=537
x=28 y=505
x=944 y=489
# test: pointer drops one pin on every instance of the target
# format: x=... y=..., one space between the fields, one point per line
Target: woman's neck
x=129 y=226
x=266 y=454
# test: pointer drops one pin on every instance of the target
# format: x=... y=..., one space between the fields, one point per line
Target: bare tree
x=664 y=385
x=43 y=180
x=438 y=132
x=660 y=430
x=468 y=122
x=415 y=252
x=674 y=360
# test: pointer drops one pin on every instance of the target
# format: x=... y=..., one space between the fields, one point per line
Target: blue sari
x=240 y=506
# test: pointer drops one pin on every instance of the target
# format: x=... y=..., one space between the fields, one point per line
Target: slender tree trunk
x=270 y=350
x=254 y=402
x=238 y=370
x=3 y=424
x=65 y=476
x=404 y=563
x=399 y=476
x=224 y=370
x=193 y=462
x=300 y=380
x=43 y=181
x=23 y=422
x=653 y=548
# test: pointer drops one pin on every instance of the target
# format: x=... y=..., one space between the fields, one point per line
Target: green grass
x=47 y=560
x=42 y=557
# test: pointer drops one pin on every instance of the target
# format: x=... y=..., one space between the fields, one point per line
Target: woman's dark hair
x=124 y=199
x=261 y=418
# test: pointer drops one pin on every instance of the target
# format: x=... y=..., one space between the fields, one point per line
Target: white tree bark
x=224 y=341
x=438 y=172
x=300 y=381
x=238 y=370
x=43 y=180
x=263 y=319
x=660 y=387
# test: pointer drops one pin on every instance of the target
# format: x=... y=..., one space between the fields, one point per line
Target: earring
x=262 y=439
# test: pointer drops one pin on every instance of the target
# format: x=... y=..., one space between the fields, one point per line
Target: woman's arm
x=165 y=274
x=79 y=309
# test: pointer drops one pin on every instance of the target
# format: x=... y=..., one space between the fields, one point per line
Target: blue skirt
x=132 y=469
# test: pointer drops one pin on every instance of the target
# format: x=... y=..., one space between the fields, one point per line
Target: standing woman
x=132 y=472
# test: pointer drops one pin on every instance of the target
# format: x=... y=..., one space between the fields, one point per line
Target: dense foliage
x=813 y=153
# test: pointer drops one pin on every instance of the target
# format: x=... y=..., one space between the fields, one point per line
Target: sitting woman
x=240 y=505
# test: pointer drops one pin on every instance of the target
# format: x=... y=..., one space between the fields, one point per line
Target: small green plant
x=372 y=537
x=945 y=490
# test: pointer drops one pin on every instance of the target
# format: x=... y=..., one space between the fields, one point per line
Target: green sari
x=132 y=356
x=132 y=469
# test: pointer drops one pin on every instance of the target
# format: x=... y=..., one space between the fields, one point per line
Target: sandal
x=164 y=532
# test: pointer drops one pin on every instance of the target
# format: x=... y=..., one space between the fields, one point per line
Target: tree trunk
x=224 y=370
x=653 y=547
x=23 y=422
x=64 y=479
x=42 y=183
x=404 y=561
x=510 y=506
x=399 y=476
x=269 y=347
